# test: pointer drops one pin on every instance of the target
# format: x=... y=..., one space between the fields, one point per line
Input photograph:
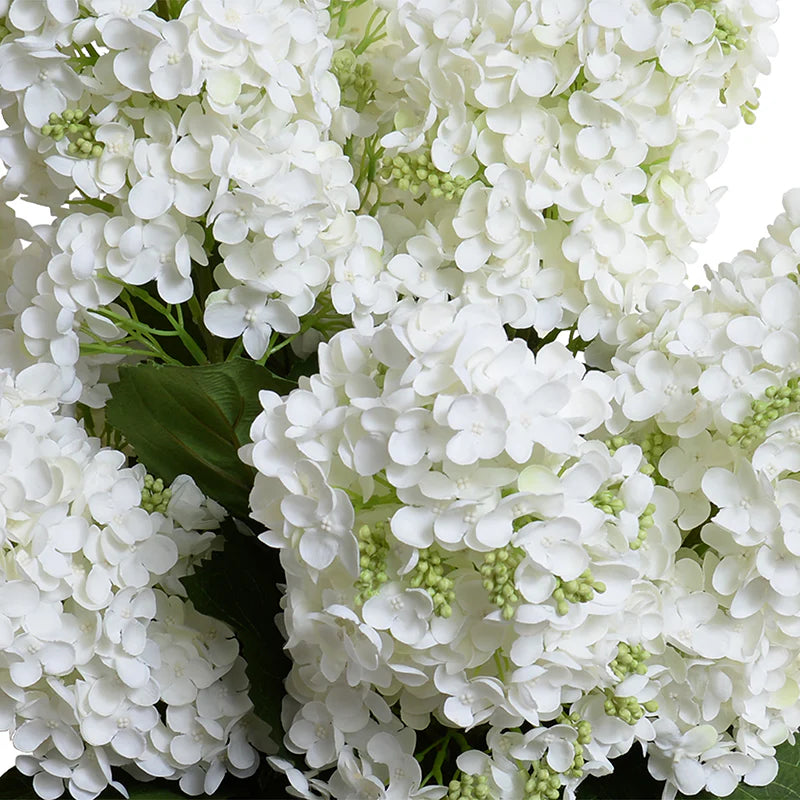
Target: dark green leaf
x=785 y=787
x=629 y=781
x=239 y=586
x=16 y=786
x=264 y=785
x=193 y=420
x=155 y=790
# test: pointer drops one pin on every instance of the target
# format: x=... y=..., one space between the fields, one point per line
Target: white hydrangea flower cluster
x=567 y=542
x=715 y=375
x=493 y=537
x=214 y=121
x=103 y=662
x=550 y=157
x=454 y=545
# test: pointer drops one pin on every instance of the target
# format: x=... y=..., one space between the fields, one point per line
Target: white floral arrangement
x=361 y=435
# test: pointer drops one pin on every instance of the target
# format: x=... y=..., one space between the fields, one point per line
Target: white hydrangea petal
x=48 y=787
x=30 y=735
x=18 y=598
x=150 y=198
x=560 y=754
x=128 y=743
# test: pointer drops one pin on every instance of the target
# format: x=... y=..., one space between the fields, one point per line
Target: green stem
x=500 y=670
x=377 y=204
x=236 y=349
x=94 y=202
x=380 y=479
x=162 y=9
x=205 y=286
x=341 y=13
x=85 y=413
x=421 y=755
x=308 y=323
x=188 y=342
x=125 y=298
x=93 y=348
x=371 y=36
x=134 y=324
x=436 y=769
x=287 y=340
x=270 y=348
x=151 y=345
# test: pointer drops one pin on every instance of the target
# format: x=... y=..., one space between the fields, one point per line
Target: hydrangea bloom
x=236 y=140
x=564 y=173
x=512 y=540
x=443 y=517
x=537 y=488
x=104 y=661
x=561 y=149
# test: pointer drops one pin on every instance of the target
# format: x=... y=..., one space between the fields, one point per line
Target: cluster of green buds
x=543 y=782
x=629 y=659
x=154 y=496
x=726 y=30
x=779 y=400
x=372 y=550
x=608 y=501
x=579 y=590
x=72 y=124
x=747 y=110
x=654 y=446
x=354 y=77
x=584 y=729
x=497 y=571
x=646 y=522
x=429 y=574
x=615 y=443
x=469 y=787
x=416 y=172
x=628 y=709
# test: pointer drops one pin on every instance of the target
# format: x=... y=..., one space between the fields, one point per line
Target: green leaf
x=155 y=790
x=786 y=785
x=264 y=785
x=629 y=781
x=16 y=786
x=238 y=585
x=192 y=420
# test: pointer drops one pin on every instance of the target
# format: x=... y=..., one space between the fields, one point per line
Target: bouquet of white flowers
x=360 y=434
